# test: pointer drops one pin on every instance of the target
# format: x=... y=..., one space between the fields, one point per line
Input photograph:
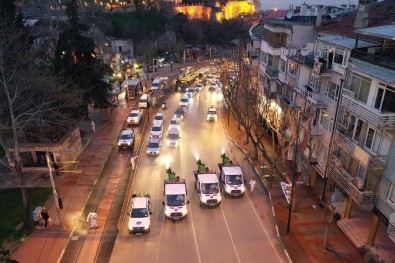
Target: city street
x=232 y=232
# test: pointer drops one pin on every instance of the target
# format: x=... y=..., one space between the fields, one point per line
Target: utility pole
x=293 y=173
x=54 y=192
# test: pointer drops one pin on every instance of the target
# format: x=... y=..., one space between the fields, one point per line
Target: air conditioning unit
x=359 y=183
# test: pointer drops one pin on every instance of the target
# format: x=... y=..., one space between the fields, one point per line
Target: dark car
x=179 y=113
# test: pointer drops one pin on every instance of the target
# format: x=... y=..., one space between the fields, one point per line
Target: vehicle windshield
x=158 y=117
x=133 y=114
x=143 y=100
x=191 y=90
x=180 y=111
x=156 y=128
x=174 y=122
x=155 y=85
x=173 y=136
x=153 y=145
x=139 y=212
x=175 y=200
x=212 y=111
x=210 y=188
x=234 y=179
x=184 y=100
x=126 y=136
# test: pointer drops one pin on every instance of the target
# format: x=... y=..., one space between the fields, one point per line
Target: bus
x=188 y=81
x=203 y=72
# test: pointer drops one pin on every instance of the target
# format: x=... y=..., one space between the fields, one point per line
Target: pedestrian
x=93 y=126
x=133 y=162
x=45 y=216
x=91 y=219
x=252 y=185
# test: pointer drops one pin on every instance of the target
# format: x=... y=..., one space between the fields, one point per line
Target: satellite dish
x=289 y=14
x=304 y=51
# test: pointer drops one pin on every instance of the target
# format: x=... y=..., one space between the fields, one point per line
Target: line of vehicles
x=207 y=183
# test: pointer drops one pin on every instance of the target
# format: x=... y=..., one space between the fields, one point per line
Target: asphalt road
x=233 y=232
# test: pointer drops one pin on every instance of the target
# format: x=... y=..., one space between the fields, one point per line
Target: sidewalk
x=304 y=243
x=47 y=244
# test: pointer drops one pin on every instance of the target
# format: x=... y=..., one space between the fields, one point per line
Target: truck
x=175 y=197
x=207 y=185
x=132 y=88
x=139 y=215
x=231 y=177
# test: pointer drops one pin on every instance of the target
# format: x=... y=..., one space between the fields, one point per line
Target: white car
x=173 y=137
x=153 y=147
x=184 y=102
x=158 y=118
x=212 y=114
x=135 y=116
x=175 y=123
x=191 y=92
x=156 y=131
x=213 y=86
x=199 y=87
x=126 y=139
x=139 y=215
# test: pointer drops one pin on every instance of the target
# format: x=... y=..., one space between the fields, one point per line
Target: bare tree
x=34 y=105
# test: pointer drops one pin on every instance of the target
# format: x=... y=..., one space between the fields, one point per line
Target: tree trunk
x=25 y=196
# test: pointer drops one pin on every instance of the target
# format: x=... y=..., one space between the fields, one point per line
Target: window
x=321 y=51
x=322 y=153
x=264 y=58
x=377 y=142
x=385 y=99
x=341 y=57
x=315 y=83
x=332 y=91
x=391 y=196
x=269 y=60
x=343 y=156
x=282 y=65
x=351 y=123
x=326 y=121
x=360 y=85
x=292 y=66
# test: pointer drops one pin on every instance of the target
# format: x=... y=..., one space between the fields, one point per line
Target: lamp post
x=293 y=173
x=55 y=193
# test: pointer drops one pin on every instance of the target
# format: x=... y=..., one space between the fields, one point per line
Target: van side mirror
x=163 y=202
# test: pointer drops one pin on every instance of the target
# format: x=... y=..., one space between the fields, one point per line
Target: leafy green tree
x=75 y=57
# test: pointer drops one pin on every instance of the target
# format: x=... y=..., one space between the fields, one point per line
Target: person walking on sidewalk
x=252 y=185
x=91 y=219
x=45 y=216
x=133 y=162
x=93 y=126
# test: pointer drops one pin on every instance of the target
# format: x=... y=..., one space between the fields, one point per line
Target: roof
x=139 y=202
x=175 y=188
x=231 y=169
x=373 y=71
x=275 y=14
x=346 y=42
x=380 y=14
x=131 y=82
x=208 y=178
x=387 y=31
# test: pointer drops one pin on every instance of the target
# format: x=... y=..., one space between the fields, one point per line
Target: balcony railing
x=372 y=116
x=344 y=141
x=317 y=98
x=272 y=72
x=345 y=181
x=391 y=231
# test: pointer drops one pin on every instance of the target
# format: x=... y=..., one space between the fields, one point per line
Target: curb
x=264 y=184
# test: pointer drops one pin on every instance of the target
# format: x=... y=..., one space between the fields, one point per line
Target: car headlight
x=219 y=197
x=119 y=143
x=146 y=226
x=129 y=143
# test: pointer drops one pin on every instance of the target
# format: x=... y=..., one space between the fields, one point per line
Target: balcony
x=272 y=72
x=391 y=231
x=371 y=160
x=346 y=182
x=321 y=101
x=372 y=116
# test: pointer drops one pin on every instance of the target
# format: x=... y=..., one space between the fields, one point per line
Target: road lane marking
x=230 y=234
x=194 y=237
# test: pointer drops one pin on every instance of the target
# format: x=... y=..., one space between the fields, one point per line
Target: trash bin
x=37 y=214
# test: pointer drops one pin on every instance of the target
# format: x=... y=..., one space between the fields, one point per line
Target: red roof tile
x=276 y=14
x=382 y=13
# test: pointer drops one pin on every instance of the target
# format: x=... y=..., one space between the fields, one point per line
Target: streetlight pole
x=55 y=194
x=293 y=174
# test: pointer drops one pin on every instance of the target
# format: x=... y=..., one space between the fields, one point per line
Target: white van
x=145 y=101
